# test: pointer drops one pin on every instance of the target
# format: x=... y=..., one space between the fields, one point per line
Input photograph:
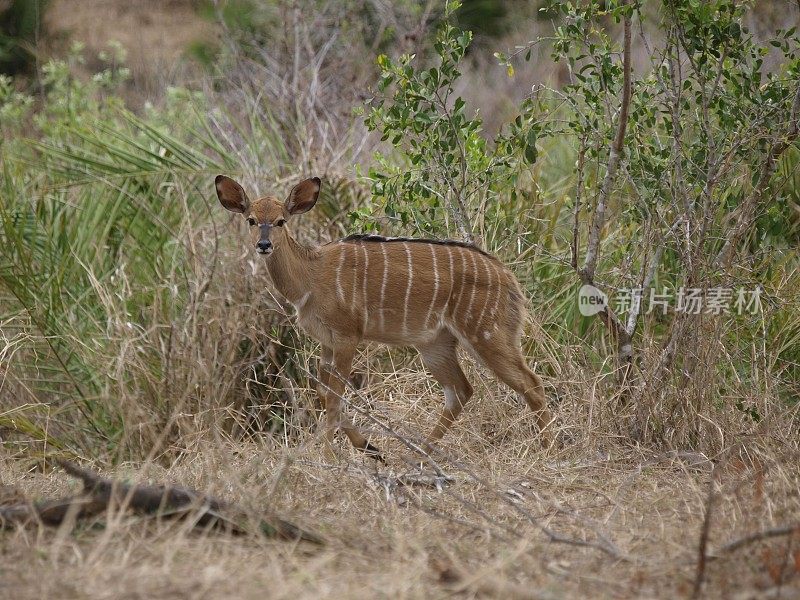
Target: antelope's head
x=267 y=216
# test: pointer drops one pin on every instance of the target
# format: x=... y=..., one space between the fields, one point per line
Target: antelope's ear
x=231 y=195
x=303 y=196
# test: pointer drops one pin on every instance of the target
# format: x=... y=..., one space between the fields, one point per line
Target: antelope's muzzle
x=264 y=245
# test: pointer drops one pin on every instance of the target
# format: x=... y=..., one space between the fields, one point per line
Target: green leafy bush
x=444 y=172
x=673 y=185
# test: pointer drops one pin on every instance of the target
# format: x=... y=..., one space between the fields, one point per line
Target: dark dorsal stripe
x=366 y=237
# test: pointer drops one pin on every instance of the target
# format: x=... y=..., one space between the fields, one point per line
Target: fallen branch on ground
x=163 y=501
x=758 y=536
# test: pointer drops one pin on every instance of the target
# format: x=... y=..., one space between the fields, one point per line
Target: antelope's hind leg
x=441 y=360
x=508 y=364
x=333 y=383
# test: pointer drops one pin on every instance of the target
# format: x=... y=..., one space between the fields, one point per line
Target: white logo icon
x=591 y=300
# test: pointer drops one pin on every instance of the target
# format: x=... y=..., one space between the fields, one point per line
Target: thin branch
x=578 y=196
x=460 y=212
x=617 y=146
x=647 y=279
x=702 y=551
x=759 y=536
x=587 y=272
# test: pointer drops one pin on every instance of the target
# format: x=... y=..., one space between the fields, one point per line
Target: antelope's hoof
x=373 y=452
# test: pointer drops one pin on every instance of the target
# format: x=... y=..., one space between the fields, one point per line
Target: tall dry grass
x=594 y=519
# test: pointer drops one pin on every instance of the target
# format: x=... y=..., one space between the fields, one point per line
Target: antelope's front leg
x=342 y=362
x=324 y=375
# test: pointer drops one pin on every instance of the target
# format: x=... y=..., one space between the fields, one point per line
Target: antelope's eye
x=279 y=223
x=251 y=221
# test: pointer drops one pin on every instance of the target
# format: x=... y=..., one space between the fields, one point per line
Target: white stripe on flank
x=499 y=292
x=339 y=289
x=451 y=275
x=364 y=285
x=435 y=285
x=408 y=286
x=473 y=287
x=463 y=283
x=486 y=295
x=383 y=282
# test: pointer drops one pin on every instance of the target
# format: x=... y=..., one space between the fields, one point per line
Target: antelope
x=426 y=293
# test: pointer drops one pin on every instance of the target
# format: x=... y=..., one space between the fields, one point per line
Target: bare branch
x=161 y=500
x=587 y=272
x=794 y=528
x=702 y=551
x=615 y=155
x=648 y=274
x=578 y=195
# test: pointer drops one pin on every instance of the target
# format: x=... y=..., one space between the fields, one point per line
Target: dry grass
x=481 y=535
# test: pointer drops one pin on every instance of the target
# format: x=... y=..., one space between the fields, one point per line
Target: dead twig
x=757 y=537
x=615 y=155
x=163 y=501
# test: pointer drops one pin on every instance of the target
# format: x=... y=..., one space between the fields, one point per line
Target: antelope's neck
x=292 y=268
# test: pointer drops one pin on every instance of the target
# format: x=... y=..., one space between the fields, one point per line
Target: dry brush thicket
x=139 y=334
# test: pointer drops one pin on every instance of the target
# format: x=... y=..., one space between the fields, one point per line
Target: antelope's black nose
x=264 y=245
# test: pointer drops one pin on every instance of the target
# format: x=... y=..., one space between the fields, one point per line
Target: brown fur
x=432 y=295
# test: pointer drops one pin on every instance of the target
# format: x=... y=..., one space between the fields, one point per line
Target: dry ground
x=156 y=35
x=484 y=534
